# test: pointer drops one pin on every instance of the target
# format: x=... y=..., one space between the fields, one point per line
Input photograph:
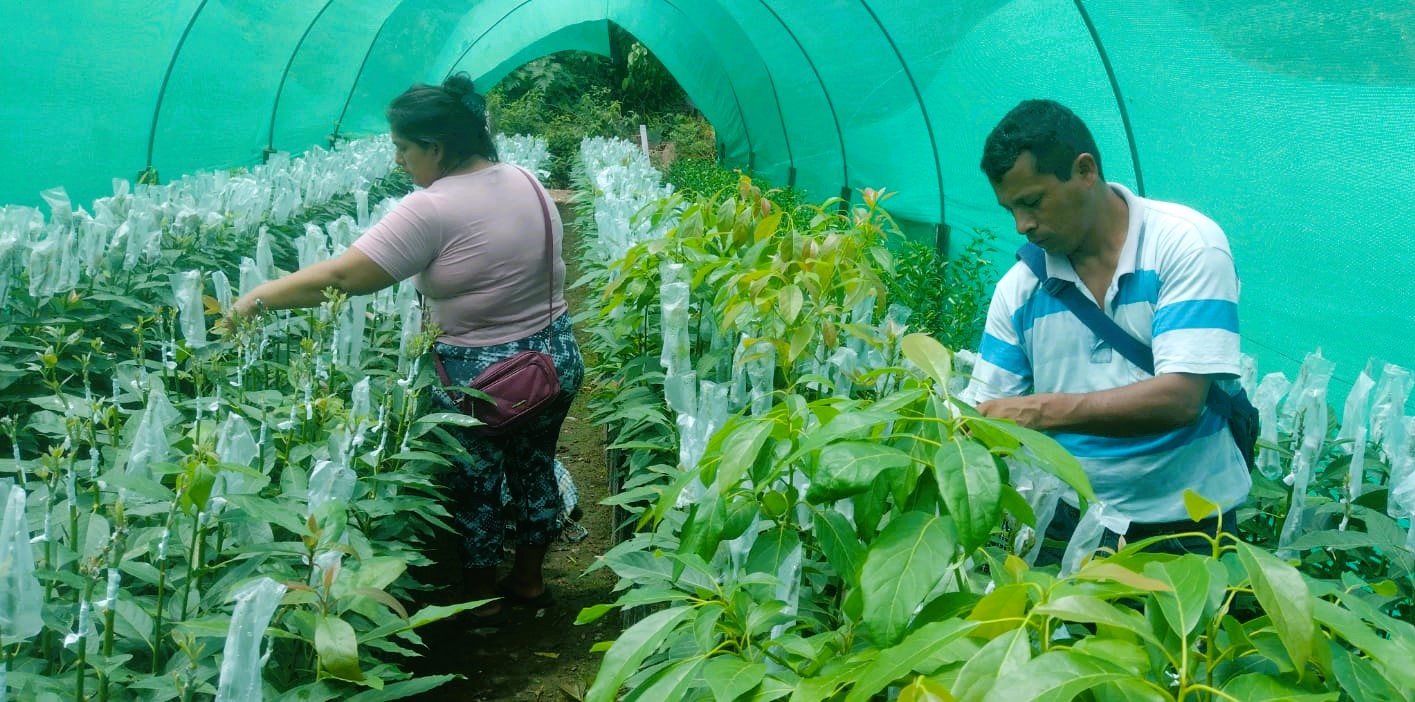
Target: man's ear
x=1085 y=167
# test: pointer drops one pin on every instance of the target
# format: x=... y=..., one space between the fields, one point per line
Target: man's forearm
x=1151 y=406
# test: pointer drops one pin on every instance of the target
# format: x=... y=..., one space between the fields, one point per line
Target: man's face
x=1053 y=214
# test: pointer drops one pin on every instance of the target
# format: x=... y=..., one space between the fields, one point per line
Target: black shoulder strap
x=1132 y=349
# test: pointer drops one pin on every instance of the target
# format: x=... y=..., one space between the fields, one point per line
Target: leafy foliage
x=850 y=531
x=173 y=547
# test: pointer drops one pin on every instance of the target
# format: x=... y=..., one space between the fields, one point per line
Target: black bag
x=1243 y=424
x=1240 y=413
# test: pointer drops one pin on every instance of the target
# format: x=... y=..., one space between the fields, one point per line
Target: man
x=1164 y=274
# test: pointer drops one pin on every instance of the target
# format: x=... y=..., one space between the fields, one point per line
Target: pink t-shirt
x=474 y=245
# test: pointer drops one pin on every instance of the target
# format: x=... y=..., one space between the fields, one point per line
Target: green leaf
x=922 y=689
x=631 y=648
x=902 y=566
x=1014 y=502
x=1190 y=579
x=456 y=419
x=338 y=649
x=1392 y=658
x=933 y=358
x=841 y=546
x=1198 y=507
x=739 y=451
x=1128 y=691
x=1361 y=679
x=851 y=423
x=403 y=690
x=1342 y=540
x=730 y=677
x=1000 y=611
x=1054 y=458
x=790 y=301
x=1087 y=609
x=771 y=548
x=1257 y=687
x=1283 y=594
x=850 y=467
x=1103 y=570
x=592 y=613
x=1000 y=658
x=971 y=487
x=1056 y=675
x=1126 y=654
x=668 y=683
x=895 y=662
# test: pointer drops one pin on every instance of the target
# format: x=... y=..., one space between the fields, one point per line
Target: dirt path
x=543 y=655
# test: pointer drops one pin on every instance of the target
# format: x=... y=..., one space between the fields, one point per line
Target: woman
x=473 y=242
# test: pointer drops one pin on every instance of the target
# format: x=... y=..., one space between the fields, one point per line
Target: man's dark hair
x=1054 y=135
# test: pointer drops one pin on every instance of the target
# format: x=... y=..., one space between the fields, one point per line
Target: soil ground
x=541 y=655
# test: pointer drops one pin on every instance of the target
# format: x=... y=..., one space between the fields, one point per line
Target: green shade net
x=1289 y=123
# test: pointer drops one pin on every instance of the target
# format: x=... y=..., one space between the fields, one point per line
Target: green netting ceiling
x=1289 y=122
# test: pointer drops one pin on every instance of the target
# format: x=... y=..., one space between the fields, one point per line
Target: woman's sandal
x=489 y=621
x=516 y=599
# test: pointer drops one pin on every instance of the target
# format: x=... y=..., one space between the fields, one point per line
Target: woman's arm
x=352 y=272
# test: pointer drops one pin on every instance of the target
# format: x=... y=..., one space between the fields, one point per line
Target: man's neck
x=1103 y=245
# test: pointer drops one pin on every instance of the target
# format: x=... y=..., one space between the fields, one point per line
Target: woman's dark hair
x=452 y=115
x=1054 y=135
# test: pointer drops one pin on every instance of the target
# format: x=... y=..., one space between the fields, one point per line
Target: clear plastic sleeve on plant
x=240 y=679
x=1354 y=427
x=235 y=444
x=349 y=335
x=142 y=233
x=342 y=233
x=1388 y=409
x=844 y=365
x=676 y=343
x=1087 y=538
x=1042 y=491
x=312 y=247
x=264 y=260
x=1271 y=391
x=187 y=289
x=221 y=289
x=250 y=275
x=1315 y=373
x=1312 y=423
x=21 y=597
x=149 y=441
x=361 y=208
x=761 y=375
x=43 y=268
x=1247 y=374
x=788 y=590
x=329 y=481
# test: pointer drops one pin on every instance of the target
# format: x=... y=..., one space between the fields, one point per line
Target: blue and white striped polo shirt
x=1176 y=289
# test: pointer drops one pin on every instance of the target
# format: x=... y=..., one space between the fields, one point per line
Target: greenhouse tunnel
x=1290 y=124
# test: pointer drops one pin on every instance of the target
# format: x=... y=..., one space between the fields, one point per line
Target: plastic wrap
x=1312 y=423
x=329 y=482
x=21 y=597
x=1091 y=528
x=187 y=289
x=241 y=661
x=1354 y=427
x=264 y=261
x=221 y=288
x=149 y=441
x=1315 y=373
x=1271 y=391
